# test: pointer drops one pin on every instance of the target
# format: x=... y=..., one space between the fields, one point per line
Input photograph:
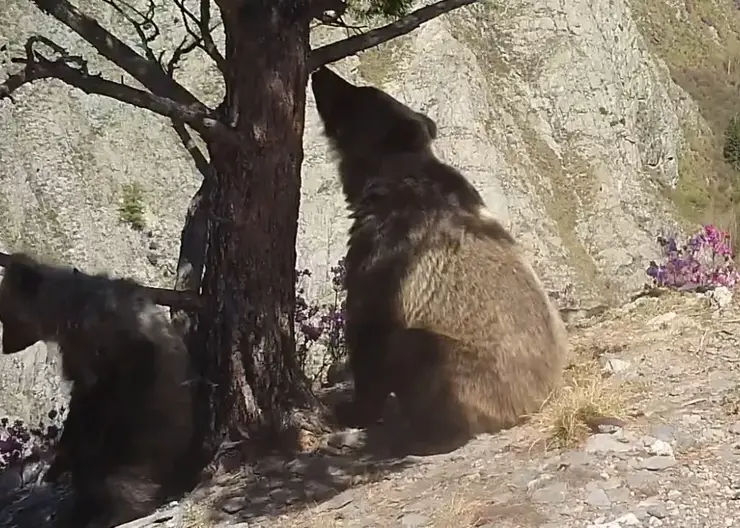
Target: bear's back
x=476 y=287
x=423 y=238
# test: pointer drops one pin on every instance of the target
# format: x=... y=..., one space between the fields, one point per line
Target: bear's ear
x=405 y=134
x=25 y=278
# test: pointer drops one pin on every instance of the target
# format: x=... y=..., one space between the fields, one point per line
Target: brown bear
x=130 y=415
x=442 y=307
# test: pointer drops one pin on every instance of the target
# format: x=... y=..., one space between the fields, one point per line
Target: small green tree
x=731 y=150
x=131 y=209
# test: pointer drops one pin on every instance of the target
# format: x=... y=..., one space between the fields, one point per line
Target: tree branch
x=194 y=238
x=209 y=46
x=12 y=83
x=147 y=72
x=201 y=163
x=341 y=49
x=163 y=296
x=203 y=38
x=145 y=22
x=193 y=247
x=38 y=67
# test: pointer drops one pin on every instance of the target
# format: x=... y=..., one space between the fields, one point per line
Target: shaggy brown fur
x=442 y=308
x=130 y=414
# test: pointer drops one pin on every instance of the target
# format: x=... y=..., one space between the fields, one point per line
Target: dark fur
x=442 y=308
x=129 y=420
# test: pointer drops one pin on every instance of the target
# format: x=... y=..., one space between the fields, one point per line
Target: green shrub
x=731 y=150
x=131 y=209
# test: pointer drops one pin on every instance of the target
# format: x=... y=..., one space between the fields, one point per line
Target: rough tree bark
x=246 y=325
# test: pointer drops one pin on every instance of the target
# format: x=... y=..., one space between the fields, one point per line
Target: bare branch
x=37 y=67
x=194 y=240
x=147 y=72
x=13 y=82
x=338 y=50
x=206 y=34
x=194 y=236
x=193 y=247
x=203 y=37
x=163 y=296
x=201 y=163
x=187 y=44
x=148 y=30
x=145 y=27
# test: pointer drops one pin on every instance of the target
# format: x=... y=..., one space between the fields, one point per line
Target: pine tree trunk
x=246 y=328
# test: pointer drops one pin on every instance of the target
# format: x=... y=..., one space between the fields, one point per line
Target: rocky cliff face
x=560 y=116
x=556 y=111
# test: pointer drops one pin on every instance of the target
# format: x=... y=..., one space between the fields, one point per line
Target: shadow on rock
x=26 y=501
x=270 y=486
x=278 y=485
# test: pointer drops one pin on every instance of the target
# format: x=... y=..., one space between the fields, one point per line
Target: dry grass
x=310 y=518
x=459 y=511
x=587 y=397
x=589 y=392
x=198 y=514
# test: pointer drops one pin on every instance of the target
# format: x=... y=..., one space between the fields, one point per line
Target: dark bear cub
x=130 y=415
x=442 y=308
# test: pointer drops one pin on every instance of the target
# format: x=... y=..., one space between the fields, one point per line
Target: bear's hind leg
x=436 y=420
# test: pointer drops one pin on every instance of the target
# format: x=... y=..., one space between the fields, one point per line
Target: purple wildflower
x=704 y=261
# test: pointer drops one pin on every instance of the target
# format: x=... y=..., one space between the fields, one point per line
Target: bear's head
x=20 y=304
x=37 y=304
x=363 y=121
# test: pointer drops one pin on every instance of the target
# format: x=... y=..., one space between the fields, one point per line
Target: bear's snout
x=328 y=87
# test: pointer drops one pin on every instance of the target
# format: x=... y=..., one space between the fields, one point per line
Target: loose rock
x=658 y=463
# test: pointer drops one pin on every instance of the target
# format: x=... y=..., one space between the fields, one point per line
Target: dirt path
x=674 y=360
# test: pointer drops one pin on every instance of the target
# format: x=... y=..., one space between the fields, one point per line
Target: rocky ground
x=667 y=366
